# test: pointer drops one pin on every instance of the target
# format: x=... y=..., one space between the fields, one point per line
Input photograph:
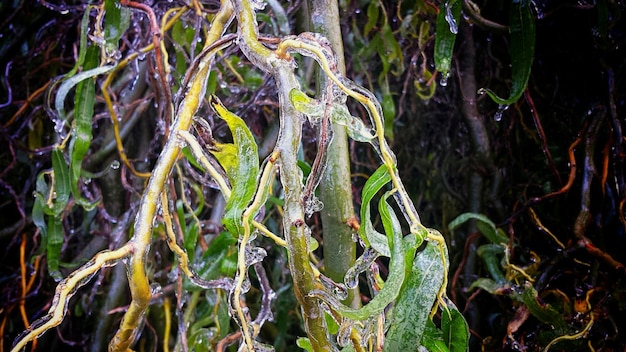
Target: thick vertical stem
x=287 y=145
x=335 y=186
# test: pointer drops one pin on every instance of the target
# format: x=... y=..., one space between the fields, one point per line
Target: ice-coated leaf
x=411 y=311
x=356 y=129
x=61 y=183
x=310 y=107
x=447 y=29
x=522 y=35
x=395 y=279
x=543 y=311
x=82 y=134
x=368 y=233
x=241 y=162
x=432 y=339
x=117 y=19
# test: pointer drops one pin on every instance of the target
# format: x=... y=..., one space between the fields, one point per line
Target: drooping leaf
x=447 y=29
x=542 y=311
x=372 y=17
x=241 y=162
x=486 y=227
x=82 y=134
x=411 y=311
x=522 y=49
x=117 y=19
x=368 y=233
x=395 y=279
x=67 y=85
x=54 y=244
x=61 y=183
x=490 y=253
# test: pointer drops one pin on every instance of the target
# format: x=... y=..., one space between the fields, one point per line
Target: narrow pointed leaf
x=395 y=279
x=522 y=34
x=486 y=227
x=368 y=233
x=61 y=182
x=411 y=311
x=82 y=134
x=54 y=244
x=117 y=19
x=447 y=29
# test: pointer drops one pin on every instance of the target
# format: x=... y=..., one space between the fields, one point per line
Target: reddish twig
x=542 y=135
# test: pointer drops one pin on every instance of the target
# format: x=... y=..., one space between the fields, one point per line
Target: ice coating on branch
x=313 y=205
x=254 y=255
x=339 y=290
x=351 y=279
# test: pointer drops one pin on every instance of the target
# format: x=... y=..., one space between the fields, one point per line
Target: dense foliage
x=525 y=181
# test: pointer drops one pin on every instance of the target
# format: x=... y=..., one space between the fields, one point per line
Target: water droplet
x=155 y=288
x=115 y=164
x=501 y=109
x=444 y=79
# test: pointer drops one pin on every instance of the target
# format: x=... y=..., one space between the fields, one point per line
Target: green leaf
x=489 y=253
x=310 y=107
x=38 y=212
x=372 y=17
x=241 y=162
x=355 y=127
x=82 y=135
x=411 y=312
x=54 y=245
x=389 y=112
x=432 y=339
x=192 y=159
x=305 y=344
x=488 y=285
x=61 y=181
x=522 y=34
x=455 y=329
x=396 y=276
x=117 y=20
x=485 y=226
x=82 y=49
x=447 y=29
x=368 y=233
x=212 y=258
x=542 y=311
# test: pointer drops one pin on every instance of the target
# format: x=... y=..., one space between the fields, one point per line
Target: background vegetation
x=536 y=261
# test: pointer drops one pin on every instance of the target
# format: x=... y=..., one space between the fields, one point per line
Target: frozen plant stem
x=138 y=280
x=335 y=185
x=287 y=145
